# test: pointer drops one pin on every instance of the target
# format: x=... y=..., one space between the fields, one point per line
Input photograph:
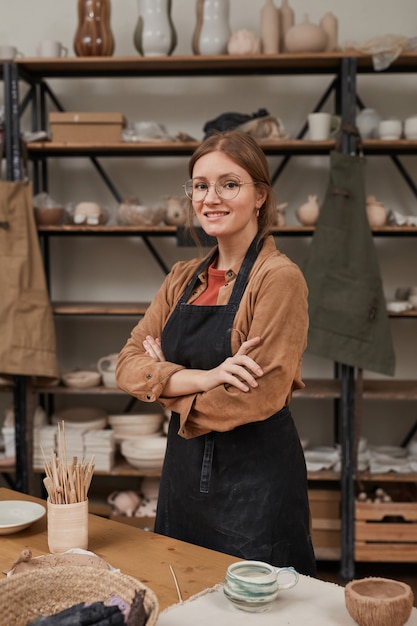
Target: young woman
x=221 y=347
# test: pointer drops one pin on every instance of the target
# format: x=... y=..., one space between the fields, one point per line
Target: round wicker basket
x=51 y=590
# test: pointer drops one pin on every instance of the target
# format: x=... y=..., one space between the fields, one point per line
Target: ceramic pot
x=214 y=32
x=330 y=25
x=94 y=36
x=269 y=28
x=155 y=34
x=67 y=526
x=308 y=213
x=286 y=22
x=376 y=212
x=305 y=37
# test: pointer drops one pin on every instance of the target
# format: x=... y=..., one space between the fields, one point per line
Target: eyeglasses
x=227 y=187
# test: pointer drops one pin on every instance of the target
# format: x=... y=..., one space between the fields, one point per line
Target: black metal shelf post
x=14 y=172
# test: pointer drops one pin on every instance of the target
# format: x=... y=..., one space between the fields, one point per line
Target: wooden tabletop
x=138 y=553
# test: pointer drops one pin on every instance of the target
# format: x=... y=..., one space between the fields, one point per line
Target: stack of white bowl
x=146 y=452
x=130 y=426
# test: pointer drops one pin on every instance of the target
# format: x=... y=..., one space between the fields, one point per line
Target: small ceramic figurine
x=124 y=502
x=175 y=211
x=308 y=213
x=243 y=42
x=87 y=213
x=280 y=215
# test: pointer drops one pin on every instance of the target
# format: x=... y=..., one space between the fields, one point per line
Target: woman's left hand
x=153 y=348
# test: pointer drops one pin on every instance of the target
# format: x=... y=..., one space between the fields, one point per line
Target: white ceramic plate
x=16 y=515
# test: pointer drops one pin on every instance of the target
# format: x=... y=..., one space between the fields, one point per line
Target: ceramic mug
x=50 y=48
x=107 y=368
x=319 y=125
x=8 y=53
x=252 y=586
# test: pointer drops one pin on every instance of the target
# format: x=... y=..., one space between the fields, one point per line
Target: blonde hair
x=244 y=150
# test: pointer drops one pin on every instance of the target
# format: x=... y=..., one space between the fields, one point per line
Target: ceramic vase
x=94 y=36
x=305 y=37
x=376 y=212
x=330 y=25
x=67 y=526
x=286 y=22
x=269 y=28
x=155 y=34
x=213 y=31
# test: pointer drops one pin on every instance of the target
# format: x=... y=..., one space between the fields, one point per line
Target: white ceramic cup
x=410 y=128
x=319 y=125
x=51 y=48
x=8 y=53
x=390 y=129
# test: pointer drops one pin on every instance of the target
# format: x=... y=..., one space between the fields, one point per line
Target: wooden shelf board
x=319 y=388
x=62 y=390
x=99 y=308
x=300 y=147
x=388 y=477
x=204 y=65
x=390 y=390
x=42 y=149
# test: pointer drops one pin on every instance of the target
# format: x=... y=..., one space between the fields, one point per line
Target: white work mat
x=311 y=602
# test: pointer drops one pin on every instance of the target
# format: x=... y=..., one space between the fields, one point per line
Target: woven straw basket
x=26 y=595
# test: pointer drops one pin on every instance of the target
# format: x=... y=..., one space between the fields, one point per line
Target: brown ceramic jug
x=94 y=36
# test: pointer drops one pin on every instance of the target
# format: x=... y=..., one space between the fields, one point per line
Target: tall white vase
x=215 y=29
x=155 y=33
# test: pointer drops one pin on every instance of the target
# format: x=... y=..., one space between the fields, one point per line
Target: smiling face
x=222 y=218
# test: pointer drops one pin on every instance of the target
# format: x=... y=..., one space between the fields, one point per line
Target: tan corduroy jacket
x=274 y=307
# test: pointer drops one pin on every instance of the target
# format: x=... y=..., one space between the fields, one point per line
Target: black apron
x=242 y=492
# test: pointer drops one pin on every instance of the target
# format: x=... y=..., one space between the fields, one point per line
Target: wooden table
x=138 y=553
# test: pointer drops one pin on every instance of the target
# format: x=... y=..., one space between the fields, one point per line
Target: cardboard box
x=86 y=127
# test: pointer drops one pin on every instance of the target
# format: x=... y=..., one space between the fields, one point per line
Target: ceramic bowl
x=49 y=216
x=390 y=129
x=379 y=601
x=81 y=379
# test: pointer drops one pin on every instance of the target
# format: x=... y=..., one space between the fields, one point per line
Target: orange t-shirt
x=215 y=280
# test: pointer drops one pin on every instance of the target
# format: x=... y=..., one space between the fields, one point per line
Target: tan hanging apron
x=27 y=334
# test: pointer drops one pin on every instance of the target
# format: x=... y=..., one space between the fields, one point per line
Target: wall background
x=122 y=269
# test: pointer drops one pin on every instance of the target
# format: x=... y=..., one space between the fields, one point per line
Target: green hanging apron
x=348 y=318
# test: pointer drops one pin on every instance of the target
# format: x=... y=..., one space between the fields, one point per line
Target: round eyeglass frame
x=217 y=187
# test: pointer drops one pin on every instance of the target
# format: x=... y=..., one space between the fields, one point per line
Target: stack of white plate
x=145 y=452
x=101 y=445
x=130 y=426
